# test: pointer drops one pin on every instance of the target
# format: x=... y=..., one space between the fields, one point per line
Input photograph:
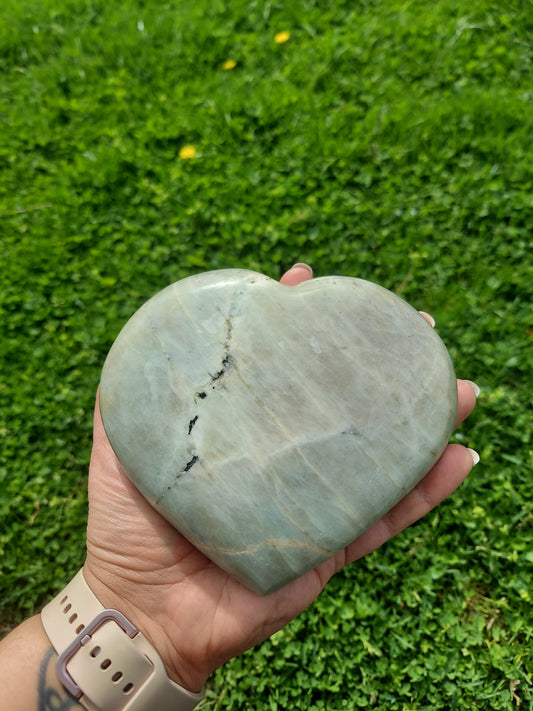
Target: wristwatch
x=104 y=660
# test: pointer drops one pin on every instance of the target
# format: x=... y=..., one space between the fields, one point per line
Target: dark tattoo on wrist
x=49 y=698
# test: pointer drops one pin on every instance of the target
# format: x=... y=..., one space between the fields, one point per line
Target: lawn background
x=386 y=140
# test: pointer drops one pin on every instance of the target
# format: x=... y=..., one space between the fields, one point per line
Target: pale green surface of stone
x=270 y=424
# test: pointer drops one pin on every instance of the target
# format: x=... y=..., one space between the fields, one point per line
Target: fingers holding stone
x=467 y=393
x=297 y=274
x=429 y=318
x=467 y=390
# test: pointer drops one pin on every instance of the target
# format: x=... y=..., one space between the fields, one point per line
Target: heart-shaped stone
x=271 y=424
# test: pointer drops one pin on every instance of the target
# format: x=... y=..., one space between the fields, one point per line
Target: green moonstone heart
x=272 y=425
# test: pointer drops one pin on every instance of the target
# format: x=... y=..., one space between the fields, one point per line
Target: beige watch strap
x=104 y=661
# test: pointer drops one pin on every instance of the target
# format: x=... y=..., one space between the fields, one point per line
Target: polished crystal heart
x=271 y=424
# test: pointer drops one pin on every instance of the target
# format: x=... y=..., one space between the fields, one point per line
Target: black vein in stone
x=190 y=464
x=227 y=359
x=187 y=468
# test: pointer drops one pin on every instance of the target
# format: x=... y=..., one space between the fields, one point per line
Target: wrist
x=105 y=660
x=144 y=605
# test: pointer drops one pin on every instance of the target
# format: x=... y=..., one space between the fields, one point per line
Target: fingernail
x=475 y=387
x=475 y=455
x=429 y=317
x=301 y=265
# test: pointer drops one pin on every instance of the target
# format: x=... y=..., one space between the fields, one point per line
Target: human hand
x=195 y=614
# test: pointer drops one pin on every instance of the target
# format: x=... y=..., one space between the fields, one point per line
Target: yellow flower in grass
x=229 y=64
x=187 y=152
x=282 y=37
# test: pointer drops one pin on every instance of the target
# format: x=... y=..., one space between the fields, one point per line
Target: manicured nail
x=475 y=387
x=475 y=456
x=429 y=318
x=301 y=265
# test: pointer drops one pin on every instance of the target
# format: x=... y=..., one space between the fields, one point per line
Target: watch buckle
x=83 y=638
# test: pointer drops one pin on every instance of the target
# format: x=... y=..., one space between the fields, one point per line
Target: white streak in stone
x=279 y=545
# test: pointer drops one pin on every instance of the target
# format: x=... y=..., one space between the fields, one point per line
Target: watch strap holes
x=117 y=677
x=105 y=664
x=73 y=617
x=95 y=652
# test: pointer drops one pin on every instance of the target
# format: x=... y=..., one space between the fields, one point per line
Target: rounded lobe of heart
x=272 y=425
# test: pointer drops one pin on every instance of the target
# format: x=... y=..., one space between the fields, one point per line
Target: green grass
x=387 y=140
